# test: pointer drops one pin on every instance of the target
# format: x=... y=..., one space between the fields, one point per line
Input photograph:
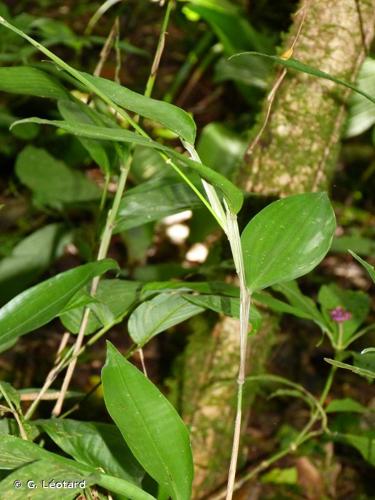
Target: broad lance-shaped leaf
x=152 y=200
x=52 y=182
x=169 y=115
x=94 y=443
x=47 y=471
x=31 y=81
x=77 y=111
x=38 y=305
x=30 y=258
x=305 y=306
x=231 y=192
x=287 y=239
x=230 y=306
x=113 y=299
x=31 y=461
x=291 y=63
x=158 y=314
x=149 y=424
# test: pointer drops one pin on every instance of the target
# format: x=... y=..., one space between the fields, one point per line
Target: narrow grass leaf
x=369 y=268
x=303 y=68
x=363 y=372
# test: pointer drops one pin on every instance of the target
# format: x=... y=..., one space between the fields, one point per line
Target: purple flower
x=339 y=314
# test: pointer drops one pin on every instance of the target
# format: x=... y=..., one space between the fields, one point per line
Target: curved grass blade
x=232 y=193
x=169 y=115
x=304 y=68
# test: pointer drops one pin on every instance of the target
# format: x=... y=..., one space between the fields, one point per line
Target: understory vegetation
x=187 y=249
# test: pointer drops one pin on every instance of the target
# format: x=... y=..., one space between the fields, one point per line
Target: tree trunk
x=299 y=147
x=297 y=152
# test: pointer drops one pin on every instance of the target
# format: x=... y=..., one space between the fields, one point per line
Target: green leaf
x=287 y=239
x=369 y=268
x=355 y=369
x=146 y=164
x=304 y=304
x=281 y=476
x=40 y=473
x=230 y=306
x=8 y=391
x=31 y=81
x=277 y=305
x=153 y=200
x=365 y=444
x=361 y=115
x=30 y=258
x=353 y=240
x=102 y=133
x=345 y=405
x=356 y=303
x=233 y=195
x=51 y=181
x=78 y=112
x=159 y=314
x=97 y=444
x=203 y=287
x=38 y=305
x=149 y=424
x=221 y=148
x=169 y=115
x=291 y=63
x=365 y=359
x=113 y=300
x=230 y=25
x=16 y=453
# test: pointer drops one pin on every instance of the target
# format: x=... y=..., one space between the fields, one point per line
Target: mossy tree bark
x=297 y=153
x=298 y=149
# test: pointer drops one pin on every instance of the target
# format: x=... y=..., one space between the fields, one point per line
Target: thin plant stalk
x=119 y=110
x=305 y=435
x=15 y=414
x=159 y=50
x=102 y=253
x=112 y=214
x=230 y=225
x=191 y=59
x=245 y=300
x=99 y=13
